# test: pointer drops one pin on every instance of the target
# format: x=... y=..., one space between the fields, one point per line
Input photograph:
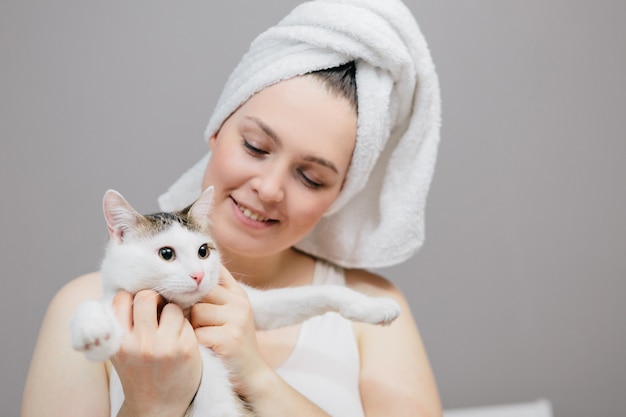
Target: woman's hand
x=224 y=322
x=159 y=363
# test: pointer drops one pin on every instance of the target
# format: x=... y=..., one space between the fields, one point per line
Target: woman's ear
x=212 y=140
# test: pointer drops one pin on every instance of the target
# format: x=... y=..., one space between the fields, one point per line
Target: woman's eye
x=253 y=149
x=308 y=181
x=204 y=251
x=167 y=254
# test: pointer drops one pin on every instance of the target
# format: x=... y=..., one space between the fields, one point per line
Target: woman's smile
x=252 y=216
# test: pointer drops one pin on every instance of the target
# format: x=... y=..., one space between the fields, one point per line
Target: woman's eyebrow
x=274 y=136
x=321 y=161
x=266 y=129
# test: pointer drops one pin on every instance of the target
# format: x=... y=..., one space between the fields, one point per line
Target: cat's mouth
x=252 y=215
x=184 y=299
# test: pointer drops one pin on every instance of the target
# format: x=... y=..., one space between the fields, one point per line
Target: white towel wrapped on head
x=378 y=218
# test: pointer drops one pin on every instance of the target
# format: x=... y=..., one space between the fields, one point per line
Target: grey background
x=519 y=290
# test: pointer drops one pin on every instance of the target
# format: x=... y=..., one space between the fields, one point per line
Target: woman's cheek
x=313 y=212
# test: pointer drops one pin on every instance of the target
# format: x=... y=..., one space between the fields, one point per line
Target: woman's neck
x=285 y=269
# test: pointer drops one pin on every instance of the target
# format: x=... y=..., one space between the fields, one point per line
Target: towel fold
x=378 y=218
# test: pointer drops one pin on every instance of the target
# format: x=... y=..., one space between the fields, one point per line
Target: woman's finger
x=218 y=295
x=123 y=309
x=228 y=281
x=171 y=320
x=223 y=293
x=207 y=314
x=207 y=336
x=145 y=308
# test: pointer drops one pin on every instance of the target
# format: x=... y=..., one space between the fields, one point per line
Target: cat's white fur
x=132 y=263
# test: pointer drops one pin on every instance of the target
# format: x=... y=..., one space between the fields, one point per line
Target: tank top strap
x=326 y=273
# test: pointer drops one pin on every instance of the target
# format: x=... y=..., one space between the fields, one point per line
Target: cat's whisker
x=225 y=262
x=239 y=274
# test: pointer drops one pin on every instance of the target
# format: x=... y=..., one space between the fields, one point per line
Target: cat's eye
x=204 y=251
x=167 y=254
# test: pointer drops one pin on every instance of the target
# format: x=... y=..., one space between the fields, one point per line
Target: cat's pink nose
x=198 y=277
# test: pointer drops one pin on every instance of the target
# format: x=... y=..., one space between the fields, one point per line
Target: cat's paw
x=95 y=331
x=374 y=310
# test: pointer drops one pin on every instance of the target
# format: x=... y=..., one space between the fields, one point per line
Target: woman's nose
x=269 y=185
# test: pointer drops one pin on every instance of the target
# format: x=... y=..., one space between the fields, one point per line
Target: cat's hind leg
x=216 y=396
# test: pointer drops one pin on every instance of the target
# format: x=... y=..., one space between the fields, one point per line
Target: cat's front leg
x=95 y=330
x=286 y=306
x=362 y=308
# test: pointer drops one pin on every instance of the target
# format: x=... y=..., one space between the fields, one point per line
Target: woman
x=322 y=150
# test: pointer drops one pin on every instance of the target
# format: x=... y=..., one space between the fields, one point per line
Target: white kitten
x=174 y=254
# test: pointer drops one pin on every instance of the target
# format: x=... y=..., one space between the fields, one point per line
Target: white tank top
x=324 y=363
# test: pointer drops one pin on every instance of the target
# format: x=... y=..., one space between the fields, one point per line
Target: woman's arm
x=158 y=363
x=61 y=382
x=224 y=323
x=396 y=378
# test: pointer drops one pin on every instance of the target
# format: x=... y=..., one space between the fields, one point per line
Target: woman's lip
x=252 y=214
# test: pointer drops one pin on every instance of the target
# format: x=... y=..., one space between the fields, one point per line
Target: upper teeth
x=252 y=215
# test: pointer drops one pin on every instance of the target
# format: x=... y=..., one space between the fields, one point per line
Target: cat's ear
x=119 y=215
x=201 y=208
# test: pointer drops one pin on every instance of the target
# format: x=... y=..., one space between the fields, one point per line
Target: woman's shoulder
x=57 y=372
x=406 y=384
x=87 y=285
x=79 y=289
x=371 y=283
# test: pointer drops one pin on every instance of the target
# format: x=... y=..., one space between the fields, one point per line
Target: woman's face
x=277 y=165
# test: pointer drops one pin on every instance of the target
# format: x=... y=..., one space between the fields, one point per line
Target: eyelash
x=257 y=152
x=253 y=149
x=309 y=182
